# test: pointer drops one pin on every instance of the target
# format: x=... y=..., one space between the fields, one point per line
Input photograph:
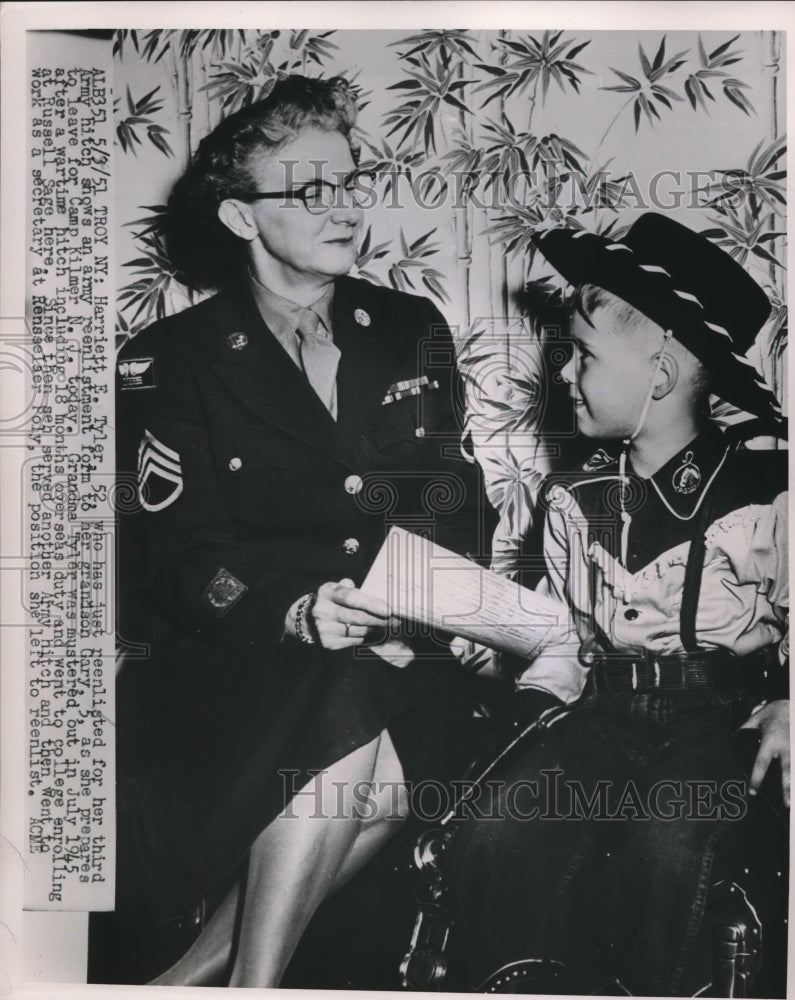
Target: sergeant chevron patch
x=159 y=474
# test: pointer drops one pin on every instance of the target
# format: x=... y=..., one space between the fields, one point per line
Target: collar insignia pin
x=362 y=317
x=237 y=341
x=687 y=477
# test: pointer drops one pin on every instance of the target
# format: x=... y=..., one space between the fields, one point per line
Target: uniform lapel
x=259 y=372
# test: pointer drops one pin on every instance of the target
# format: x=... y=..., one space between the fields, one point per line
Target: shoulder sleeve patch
x=223 y=592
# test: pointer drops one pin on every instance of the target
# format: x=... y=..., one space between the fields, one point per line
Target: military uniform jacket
x=238 y=493
x=636 y=606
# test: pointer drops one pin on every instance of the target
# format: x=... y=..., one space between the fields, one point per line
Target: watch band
x=302 y=629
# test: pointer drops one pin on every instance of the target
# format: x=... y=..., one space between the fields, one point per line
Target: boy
x=669 y=548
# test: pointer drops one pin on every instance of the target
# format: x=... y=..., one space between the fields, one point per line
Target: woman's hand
x=772 y=720
x=343 y=616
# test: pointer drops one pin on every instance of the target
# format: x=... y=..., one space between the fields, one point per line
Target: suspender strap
x=695 y=569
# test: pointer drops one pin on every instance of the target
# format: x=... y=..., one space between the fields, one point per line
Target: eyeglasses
x=320 y=196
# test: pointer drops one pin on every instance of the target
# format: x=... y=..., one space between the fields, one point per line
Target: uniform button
x=353 y=484
x=631 y=614
x=419 y=432
x=351 y=546
x=235 y=464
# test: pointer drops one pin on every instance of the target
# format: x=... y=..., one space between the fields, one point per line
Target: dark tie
x=319 y=358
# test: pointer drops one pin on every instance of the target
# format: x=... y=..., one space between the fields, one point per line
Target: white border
x=15 y=20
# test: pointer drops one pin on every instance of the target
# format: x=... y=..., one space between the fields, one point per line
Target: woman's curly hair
x=204 y=253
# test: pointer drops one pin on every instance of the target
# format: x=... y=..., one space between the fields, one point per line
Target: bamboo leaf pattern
x=776 y=332
x=428 y=88
x=146 y=298
x=122 y=36
x=483 y=127
x=155 y=44
x=649 y=92
x=139 y=118
x=153 y=223
x=743 y=233
x=532 y=62
x=389 y=163
x=237 y=85
x=314 y=48
x=759 y=183
x=412 y=265
x=368 y=254
x=712 y=67
x=261 y=62
x=650 y=95
x=446 y=43
x=149 y=296
x=409 y=270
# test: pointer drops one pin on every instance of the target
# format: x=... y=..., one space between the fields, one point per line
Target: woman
x=273 y=443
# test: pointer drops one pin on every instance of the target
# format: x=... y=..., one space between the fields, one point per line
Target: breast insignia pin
x=137 y=373
x=237 y=341
x=362 y=317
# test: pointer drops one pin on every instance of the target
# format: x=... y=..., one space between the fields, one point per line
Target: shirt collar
x=281 y=314
x=686 y=475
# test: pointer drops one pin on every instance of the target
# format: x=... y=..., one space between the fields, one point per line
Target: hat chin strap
x=622 y=461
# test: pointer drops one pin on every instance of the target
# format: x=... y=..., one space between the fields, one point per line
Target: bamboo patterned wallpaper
x=480 y=139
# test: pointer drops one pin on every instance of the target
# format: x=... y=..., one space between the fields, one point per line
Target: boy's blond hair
x=587 y=298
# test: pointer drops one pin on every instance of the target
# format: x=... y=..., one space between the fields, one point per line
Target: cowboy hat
x=684 y=283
